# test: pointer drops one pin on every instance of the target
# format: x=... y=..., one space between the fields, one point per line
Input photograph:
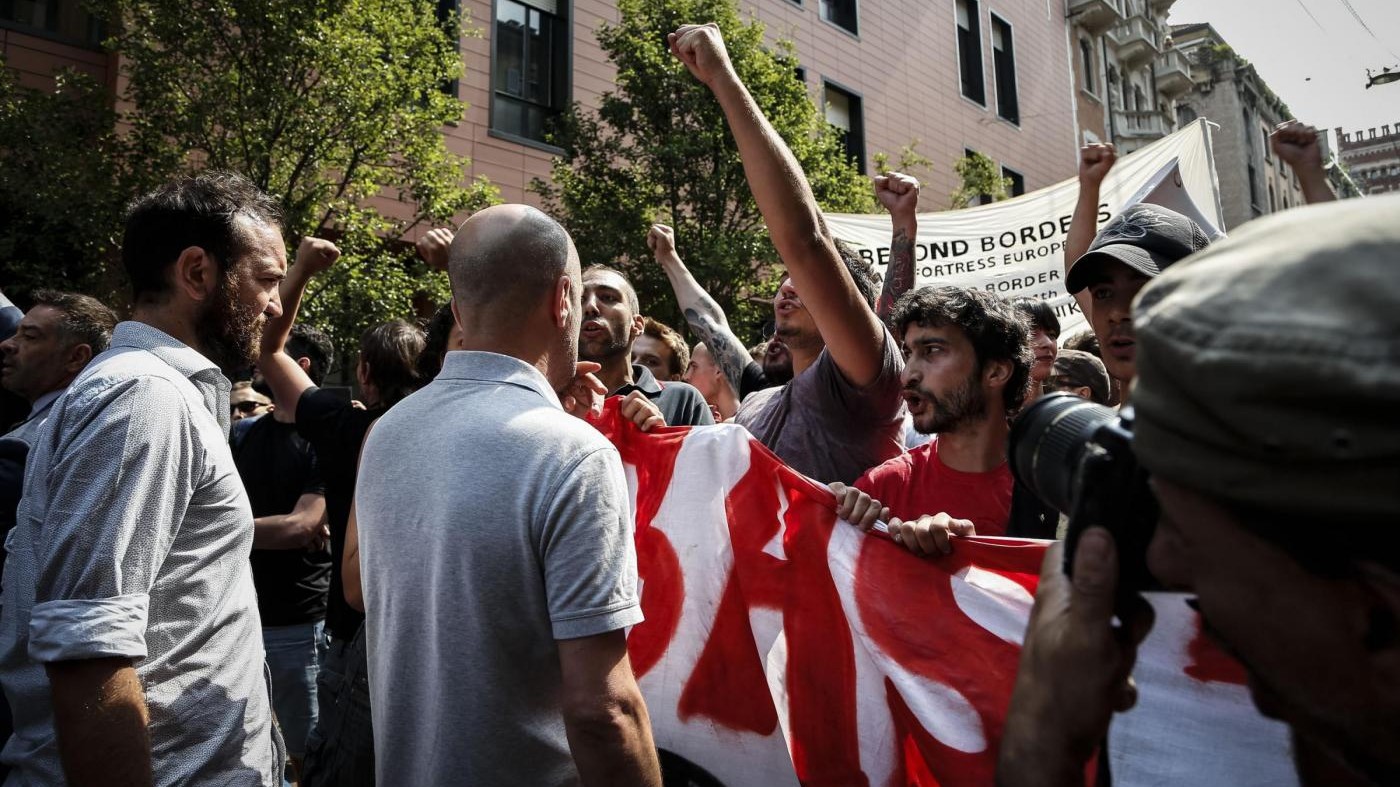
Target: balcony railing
x=1137 y=41
x=1138 y=125
x=1096 y=16
x=1173 y=74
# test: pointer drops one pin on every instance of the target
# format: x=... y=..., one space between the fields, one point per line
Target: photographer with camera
x=1265 y=415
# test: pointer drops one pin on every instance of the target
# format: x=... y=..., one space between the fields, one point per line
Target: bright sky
x=1317 y=67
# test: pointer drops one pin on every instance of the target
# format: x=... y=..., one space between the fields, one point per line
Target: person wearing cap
x=1266 y=399
x=1105 y=274
x=1081 y=374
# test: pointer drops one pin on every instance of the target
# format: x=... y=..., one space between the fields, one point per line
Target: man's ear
x=996 y=373
x=362 y=373
x=563 y=303
x=1085 y=392
x=305 y=364
x=77 y=357
x=196 y=274
x=639 y=324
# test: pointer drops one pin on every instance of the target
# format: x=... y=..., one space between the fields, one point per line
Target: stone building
x=1373 y=158
x=1128 y=73
x=1229 y=92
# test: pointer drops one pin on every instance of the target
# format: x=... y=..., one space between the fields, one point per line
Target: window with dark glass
x=1004 y=70
x=63 y=19
x=843 y=111
x=1018 y=181
x=528 y=72
x=841 y=13
x=970 y=51
x=1086 y=58
x=447 y=17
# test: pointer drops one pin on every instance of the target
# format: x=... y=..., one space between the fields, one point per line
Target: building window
x=970 y=51
x=1086 y=62
x=68 y=20
x=843 y=111
x=1253 y=191
x=841 y=13
x=1004 y=70
x=529 y=71
x=1018 y=181
x=446 y=16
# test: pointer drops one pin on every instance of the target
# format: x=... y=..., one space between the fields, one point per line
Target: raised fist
x=661 y=240
x=316 y=254
x=899 y=193
x=433 y=247
x=1296 y=144
x=1095 y=160
x=701 y=49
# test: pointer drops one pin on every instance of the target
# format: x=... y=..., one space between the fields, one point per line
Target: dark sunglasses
x=247 y=407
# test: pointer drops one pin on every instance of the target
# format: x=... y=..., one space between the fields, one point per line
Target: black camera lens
x=1048 y=442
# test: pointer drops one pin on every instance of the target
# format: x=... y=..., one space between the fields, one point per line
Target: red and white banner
x=783 y=647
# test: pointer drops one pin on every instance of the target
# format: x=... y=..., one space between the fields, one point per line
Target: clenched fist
x=316 y=254
x=701 y=49
x=899 y=193
x=434 y=246
x=661 y=240
x=1095 y=160
x=1296 y=144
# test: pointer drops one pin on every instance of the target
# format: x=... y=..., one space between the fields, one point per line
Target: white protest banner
x=1016 y=247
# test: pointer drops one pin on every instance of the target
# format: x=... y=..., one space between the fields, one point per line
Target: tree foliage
x=980 y=177
x=64 y=181
x=331 y=106
x=658 y=148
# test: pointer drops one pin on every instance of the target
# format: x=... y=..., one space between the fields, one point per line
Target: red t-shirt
x=918 y=483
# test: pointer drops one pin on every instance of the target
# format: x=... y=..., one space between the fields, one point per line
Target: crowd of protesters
x=217 y=582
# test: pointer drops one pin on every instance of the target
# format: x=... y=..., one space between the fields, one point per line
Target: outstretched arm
x=1296 y=144
x=702 y=313
x=899 y=193
x=852 y=332
x=287 y=380
x=1095 y=160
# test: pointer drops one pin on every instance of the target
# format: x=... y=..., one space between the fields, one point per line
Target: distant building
x=1128 y=73
x=1228 y=91
x=1373 y=158
x=1337 y=173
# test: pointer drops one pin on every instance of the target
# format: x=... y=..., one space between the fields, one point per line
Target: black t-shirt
x=680 y=404
x=278 y=467
x=336 y=429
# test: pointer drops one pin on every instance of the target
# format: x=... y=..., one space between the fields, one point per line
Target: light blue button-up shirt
x=132 y=541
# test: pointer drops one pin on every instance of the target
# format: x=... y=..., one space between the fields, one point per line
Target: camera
x=1077 y=457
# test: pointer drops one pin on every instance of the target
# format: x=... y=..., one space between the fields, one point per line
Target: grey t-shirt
x=825 y=427
x=491 y=524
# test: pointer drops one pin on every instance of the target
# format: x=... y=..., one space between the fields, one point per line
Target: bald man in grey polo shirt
x=495 y=541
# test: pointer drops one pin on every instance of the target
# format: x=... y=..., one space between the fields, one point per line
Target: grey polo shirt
x=491 y=524
x=132 y=541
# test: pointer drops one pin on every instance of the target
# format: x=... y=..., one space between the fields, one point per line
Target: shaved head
x=506 y=258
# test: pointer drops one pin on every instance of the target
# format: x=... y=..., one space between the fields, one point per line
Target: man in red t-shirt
x=966 y=369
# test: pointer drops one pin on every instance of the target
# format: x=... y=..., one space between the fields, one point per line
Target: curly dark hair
x=998 y=331
x=1039 y=314
x=85 y=320
x=309 y=342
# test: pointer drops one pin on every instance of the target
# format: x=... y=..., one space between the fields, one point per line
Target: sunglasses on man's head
x=247 y=407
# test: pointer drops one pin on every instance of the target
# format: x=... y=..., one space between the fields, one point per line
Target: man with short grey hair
x=495 y=539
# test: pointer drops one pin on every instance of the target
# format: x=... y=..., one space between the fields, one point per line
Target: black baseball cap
x=1146 y=237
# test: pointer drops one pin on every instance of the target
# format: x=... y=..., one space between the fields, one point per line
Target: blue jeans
x=340 y=751
x=294 y=655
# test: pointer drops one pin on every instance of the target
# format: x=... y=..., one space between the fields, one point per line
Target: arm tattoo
x=899 y=276
x=729 y=353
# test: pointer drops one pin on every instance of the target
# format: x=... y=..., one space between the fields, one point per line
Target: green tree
x=658 y=148
x=63 y=186
x=980 y=177
x=335 y=107
x=329 y=105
